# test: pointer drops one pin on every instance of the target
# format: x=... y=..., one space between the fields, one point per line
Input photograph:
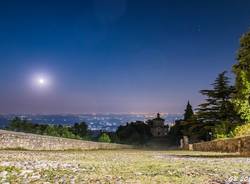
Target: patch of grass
x=55 y=175
x=9 y=169
x=12 y=174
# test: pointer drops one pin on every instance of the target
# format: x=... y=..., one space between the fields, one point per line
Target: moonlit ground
x=121 y=166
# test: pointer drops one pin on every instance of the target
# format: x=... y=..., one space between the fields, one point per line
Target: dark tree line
x=76 y=131
x=134 y=133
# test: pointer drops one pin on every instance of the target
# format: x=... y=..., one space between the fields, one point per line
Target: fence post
x=181 y=144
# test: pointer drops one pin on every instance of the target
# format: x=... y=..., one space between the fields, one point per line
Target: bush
x=51 y=131
x=225 y=129
x=104 y=138
x=242 y=130
x=221 y=131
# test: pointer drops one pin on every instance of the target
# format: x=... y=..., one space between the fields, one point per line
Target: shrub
x=221 y=130
x=242 y=130
x=104 y=138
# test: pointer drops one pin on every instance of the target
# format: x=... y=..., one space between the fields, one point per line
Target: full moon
x=41 y=81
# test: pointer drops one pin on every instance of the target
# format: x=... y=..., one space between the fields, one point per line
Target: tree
x=218 y=106
x=64 y=132
x=241 y=98
x=104 y=138
x=19 y=125
x=218 y=113
x=134 y=133
x=51 y=131
x=188 y=115
x=80 y=129
x=114 y=137
x=15 y=124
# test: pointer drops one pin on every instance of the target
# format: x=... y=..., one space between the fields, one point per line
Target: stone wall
x=240 y=145
x=18 y=140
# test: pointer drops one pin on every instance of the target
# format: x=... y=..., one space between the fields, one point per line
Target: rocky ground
x=122 y=166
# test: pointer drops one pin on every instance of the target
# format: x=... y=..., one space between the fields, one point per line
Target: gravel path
x=122 y=166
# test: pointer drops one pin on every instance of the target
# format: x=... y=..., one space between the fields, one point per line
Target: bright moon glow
x=41 y=81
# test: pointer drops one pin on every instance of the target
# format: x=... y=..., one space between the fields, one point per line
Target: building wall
x=240 y=145
x=158 y=131
x=158 y=128
x=158 y=123
x=16 y=140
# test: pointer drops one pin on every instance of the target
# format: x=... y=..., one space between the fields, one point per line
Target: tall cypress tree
x=241 y=99
x=188 y=112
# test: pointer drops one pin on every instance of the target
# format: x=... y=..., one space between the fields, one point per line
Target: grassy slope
x=121 y=166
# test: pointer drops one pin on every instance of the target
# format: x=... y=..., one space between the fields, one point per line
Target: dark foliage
x=189 y=113
x=218 y=106
x=134 y=133
x=215 y=118
x=218 y=110
x=78 y=131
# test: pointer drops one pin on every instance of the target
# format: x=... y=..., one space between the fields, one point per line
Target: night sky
x=114 y=55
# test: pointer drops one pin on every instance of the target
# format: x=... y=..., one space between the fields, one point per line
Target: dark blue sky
x=115 y=55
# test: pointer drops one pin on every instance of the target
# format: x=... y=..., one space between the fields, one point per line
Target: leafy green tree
x=51 y=131
x=104 y=138
x=64 y=132
x=189 y=113
x=241 y=99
